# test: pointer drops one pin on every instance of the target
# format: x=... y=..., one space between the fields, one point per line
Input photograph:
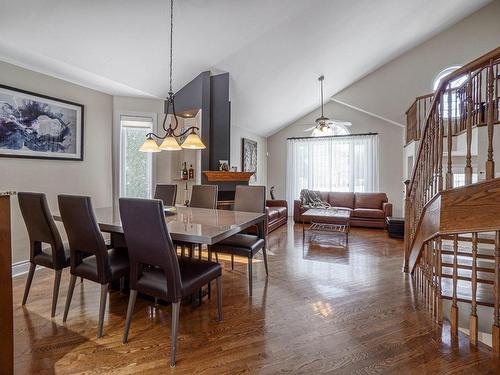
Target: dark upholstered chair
x=250 y=199
x=166 y=193
x=90 y=257
x=204 y=196
x=155 y=269
x=42 y=230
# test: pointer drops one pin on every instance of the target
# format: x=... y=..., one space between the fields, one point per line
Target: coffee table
x=330 y=220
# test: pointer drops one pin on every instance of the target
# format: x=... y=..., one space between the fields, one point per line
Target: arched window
x=334 y=129
x=455 y=84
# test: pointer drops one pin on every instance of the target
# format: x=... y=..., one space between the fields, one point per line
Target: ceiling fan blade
x=344 y=123
x=311 y=128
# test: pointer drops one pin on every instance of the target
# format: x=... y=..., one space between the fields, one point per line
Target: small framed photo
x=224 y=165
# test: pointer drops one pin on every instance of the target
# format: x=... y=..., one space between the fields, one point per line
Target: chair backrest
x=149 y=242
x=167 y=194
x=204 y=196
x=250 y=198
x=84 y=235
x=41 y=227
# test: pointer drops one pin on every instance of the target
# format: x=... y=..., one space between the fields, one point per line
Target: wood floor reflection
x=323 y=309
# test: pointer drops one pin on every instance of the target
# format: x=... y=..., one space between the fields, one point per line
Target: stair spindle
x=496 y=291
x=490 y=164
x=473 y=326
x=439 y=301
x=440 y=146
x=449 y=139
x=454 y=305
x=468 y=157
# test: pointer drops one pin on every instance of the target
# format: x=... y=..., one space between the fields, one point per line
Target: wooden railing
x=466 y=98
x=415 y=117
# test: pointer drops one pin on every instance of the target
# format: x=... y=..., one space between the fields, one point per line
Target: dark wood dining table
x=187 y=224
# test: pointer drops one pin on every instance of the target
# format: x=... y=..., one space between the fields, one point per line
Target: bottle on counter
x=191 y=172
x=185 y=172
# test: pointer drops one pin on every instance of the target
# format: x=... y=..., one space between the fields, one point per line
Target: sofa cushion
x=369 y=200
x=340 y=199
x=281 y=211
x=272 y=213
x=368 y=213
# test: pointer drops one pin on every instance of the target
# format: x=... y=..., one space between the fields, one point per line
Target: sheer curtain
x=342 y=163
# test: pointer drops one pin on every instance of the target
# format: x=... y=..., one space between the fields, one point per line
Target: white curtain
x=347 y=163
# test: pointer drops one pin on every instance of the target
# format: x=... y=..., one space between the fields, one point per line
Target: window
x=136 y=168
x=334 y=129
x=455 y=84
x=347 y=163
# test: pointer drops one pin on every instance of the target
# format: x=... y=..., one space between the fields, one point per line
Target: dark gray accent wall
x=220 y=126
x=193 y=96
x=211 y=95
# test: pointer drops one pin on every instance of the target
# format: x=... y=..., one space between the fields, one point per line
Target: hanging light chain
x=171 y=39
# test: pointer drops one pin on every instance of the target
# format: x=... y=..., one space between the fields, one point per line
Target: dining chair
x=42 y=230
x=249 y=199
x=204 y=196
x=167 y=193
x=155 y=269
x=91 y=259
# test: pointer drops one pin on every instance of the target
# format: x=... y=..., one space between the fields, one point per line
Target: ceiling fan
x=323 y=123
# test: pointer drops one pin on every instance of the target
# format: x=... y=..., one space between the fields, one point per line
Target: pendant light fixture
x=322 y=121
x=170 y=143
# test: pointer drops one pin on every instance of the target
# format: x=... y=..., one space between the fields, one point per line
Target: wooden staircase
x=452 y=234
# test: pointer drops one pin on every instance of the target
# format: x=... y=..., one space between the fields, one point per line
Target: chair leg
x=31 y=273
x=175 y=326
x=250 y=276
x=71 y=288
x=232 y=262
x=217 y=257
x=199 y=251
x=130 y=312
x=102 y=308
x=219 y=298
x=55 y=293
x=264 y=253
x=200 y=297
x=122 y=284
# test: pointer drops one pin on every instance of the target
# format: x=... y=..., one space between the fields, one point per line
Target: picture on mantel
x=249 y=158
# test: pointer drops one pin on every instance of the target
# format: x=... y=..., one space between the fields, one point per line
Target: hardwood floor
x=323 y=309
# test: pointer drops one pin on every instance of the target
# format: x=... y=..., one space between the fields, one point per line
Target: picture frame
x=249 y=157
x=37 y=126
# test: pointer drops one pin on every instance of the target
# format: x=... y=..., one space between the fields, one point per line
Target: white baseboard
x=20 y=268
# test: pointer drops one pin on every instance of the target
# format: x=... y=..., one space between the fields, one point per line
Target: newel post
x=407 y=227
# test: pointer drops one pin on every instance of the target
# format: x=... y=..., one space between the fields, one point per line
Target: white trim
x=368 y=113
x=20 y=268
x=116 y=148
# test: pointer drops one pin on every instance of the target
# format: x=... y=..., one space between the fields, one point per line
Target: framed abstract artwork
x=39 y=126
x=249 y=157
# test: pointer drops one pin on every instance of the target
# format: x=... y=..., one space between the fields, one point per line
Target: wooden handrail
x=473 y=65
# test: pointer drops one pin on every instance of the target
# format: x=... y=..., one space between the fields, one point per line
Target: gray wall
x=90 y=177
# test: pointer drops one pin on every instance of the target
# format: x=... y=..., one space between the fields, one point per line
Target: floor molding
x=20 y=268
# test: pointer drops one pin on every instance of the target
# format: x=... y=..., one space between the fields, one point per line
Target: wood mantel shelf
x=214 y=176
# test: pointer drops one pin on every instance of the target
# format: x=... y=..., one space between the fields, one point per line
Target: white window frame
x=117 y=151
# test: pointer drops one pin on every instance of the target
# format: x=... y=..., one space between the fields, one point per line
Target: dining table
x=186 y=224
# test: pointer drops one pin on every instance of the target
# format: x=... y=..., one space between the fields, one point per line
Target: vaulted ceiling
x=273 y=50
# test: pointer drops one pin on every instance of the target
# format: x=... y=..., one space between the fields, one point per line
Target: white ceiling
x=273 y=50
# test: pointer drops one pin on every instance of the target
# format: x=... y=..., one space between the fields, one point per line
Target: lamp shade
x=149 y=145
x=170 y=144
x=193 y=142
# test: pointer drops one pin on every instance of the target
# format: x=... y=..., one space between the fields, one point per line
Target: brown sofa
x=368 y=209
x=277 y=214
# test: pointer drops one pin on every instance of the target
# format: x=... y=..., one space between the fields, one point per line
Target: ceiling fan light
x=149 y=145
x=170 y=144
x=193 y=142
